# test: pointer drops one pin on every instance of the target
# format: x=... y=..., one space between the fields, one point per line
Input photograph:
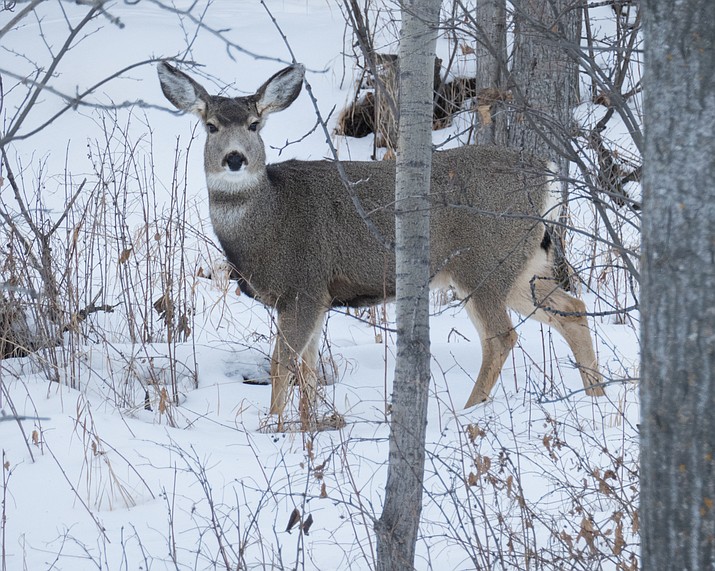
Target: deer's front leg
x=298 y=326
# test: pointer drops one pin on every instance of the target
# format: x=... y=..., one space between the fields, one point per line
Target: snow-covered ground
x=152 y=453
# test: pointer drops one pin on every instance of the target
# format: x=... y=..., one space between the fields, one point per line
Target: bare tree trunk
x=544 y=79
x=678 y=288
x=399 y=523
x=544 y=82
x=491 y=57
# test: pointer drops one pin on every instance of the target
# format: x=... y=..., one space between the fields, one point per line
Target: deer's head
x=234 y=155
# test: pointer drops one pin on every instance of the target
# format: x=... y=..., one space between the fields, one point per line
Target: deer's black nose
x=234 y=160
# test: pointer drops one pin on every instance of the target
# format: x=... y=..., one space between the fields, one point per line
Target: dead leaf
x=293 y=519
x=319 y=471
x=163 y=401
x=183 y=327
x=589 y=533
x=619 y=542
x=124 y=256
x=164 y=307
x=474 y=432
x=307 y=523
x=483 y=463
x=309 y=449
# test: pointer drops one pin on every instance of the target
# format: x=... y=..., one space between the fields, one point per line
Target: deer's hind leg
x=299 y=329
x=545 y=301
x=496 y=333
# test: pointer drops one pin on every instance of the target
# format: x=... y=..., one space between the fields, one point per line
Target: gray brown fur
x=298 y=244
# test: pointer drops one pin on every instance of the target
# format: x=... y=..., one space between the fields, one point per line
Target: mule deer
x=298 y=244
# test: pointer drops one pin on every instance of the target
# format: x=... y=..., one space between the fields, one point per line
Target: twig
x=6 y=417
x=19 y=16
x=30 y=104
x=590 y=387
x=73 y=102
x=218 y=33
x=99 y=525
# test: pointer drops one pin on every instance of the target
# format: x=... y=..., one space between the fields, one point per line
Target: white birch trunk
x=398 y=526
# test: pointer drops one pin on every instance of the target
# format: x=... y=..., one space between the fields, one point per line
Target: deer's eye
x=211 y=127
x=254 y=126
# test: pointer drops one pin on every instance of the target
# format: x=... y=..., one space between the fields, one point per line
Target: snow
x=152 y=453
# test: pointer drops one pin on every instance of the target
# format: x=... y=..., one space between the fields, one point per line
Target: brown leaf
x=309 y=449
x=483 y=463
x=474 y=432
x=293 y=519
x=589 y=533
x=307 y=523
x=603 y=486
x=163 y=401
x=164 y=307
x=183 y=327
x=323 y=491
x=124 y=256
x=319 y=471
x=619 y=542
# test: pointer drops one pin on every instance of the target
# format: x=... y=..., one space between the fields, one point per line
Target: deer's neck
x=233 y=199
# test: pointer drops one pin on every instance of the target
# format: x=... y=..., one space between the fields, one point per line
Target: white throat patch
x=228 y=181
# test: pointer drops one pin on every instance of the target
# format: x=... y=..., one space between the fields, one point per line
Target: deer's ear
x=183 y=92
x=280 y=90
